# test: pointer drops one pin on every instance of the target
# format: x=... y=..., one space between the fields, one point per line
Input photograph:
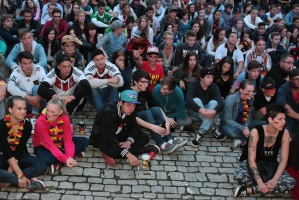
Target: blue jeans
x=31 y=167
x=154 y=116
x=186 y=121
x=232 y=132
x=206 y=123
x=102 y=96
x=45 y=155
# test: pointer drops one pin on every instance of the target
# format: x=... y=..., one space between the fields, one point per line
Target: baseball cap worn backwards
x=129 y=96
x=62 y=57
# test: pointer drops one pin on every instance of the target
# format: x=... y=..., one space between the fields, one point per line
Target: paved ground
x=188 y=173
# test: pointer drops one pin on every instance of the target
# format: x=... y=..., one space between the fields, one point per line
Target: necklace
x=56 y=133
x=246 y=108
x=14 y=140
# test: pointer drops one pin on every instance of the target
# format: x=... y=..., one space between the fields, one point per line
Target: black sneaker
x=240 y=190
x=188 y=128
x=218 y=135
x=197 y=139
x=150 y=148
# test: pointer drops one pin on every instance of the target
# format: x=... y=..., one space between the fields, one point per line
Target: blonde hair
x=58 y=102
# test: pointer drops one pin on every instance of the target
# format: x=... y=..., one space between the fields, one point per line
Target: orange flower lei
x=246 y=108
x=56 y=133
x=14 y=140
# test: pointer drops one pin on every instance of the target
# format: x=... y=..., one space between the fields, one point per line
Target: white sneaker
x=33 y=122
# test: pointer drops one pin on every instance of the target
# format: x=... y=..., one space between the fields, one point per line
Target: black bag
x=267 y=170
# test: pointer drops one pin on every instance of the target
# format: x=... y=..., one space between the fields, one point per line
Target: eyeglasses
x=56 y=16
x=144 y=82
x=295 y=79
x=290 y=62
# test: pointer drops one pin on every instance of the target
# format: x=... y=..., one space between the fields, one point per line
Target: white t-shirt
x=110 y=71
x=26 y=83
x=64 y=87
x=221 y=52
x=264 y=59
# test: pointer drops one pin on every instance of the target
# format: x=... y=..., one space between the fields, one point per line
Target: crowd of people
x=156 y=64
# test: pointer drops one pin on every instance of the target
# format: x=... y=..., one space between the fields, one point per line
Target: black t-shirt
x=146 y=99
x=260 y=100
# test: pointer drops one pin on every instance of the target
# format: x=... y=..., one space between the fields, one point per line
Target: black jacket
x=34 y=25
x=107 y=123
x=277 y=74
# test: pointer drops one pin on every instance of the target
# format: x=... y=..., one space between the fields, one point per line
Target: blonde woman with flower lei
x=17 y=166
x=53 y=139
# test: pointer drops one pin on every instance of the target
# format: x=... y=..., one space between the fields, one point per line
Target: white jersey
x=26 y=83
x=65 y=87
x=110 y=71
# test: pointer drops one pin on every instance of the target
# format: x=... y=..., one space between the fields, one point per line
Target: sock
x=182 y=128
x=163 y=145
x=170 y=141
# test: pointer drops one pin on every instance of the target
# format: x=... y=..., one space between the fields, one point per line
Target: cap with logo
x=236 y=10
x=139 y=33
x=152 y=50
x=129 y=96
x=206 y=71
x=67 y=38
x=62 y=57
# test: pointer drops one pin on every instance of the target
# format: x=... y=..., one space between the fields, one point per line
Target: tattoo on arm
x=256 y=173
x=250 y=142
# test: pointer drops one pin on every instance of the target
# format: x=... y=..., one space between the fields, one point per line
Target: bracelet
x=20 y=176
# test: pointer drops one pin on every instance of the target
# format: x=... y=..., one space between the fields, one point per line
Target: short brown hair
x=23 y=31
x=190 y=33
x=5 y=17
x=169 y=81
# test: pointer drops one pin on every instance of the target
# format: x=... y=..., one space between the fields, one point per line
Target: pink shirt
x=42 y=137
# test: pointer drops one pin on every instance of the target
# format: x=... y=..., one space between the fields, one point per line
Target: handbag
x=266 y=170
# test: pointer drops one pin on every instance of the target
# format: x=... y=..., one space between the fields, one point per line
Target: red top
x=42 y=137
x=62 y=28
x=156 y=75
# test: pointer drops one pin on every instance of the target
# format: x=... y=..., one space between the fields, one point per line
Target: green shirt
x=104 y=19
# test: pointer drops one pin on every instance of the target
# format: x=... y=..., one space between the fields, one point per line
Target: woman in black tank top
x=263 y=145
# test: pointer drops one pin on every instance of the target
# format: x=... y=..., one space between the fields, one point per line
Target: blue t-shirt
x=265 y=17
x=241 y=78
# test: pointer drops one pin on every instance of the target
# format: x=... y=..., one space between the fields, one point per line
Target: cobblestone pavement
x=189 y=173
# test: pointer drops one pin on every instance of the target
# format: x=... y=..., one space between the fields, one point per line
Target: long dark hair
x=218 y=66
x=119 y=53
x=54 y=47
x=244 y=31
x=77 y=32
x=200 y=33
x=186 y=64
x=191 y=15
x=34 y=6
x=91 y=26
x=216 y=35
x=72 y=15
